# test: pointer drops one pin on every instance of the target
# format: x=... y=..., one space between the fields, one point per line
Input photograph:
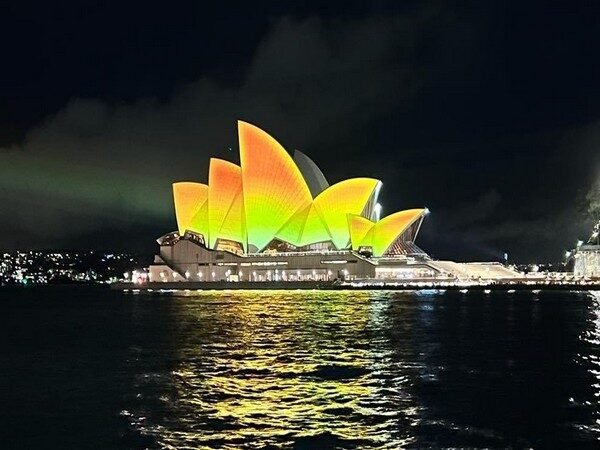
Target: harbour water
x=86 y=367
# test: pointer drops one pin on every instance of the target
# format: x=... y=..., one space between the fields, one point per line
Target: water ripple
x=344 y=370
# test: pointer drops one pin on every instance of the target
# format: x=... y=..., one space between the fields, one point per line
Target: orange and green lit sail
x=266 y=197
x=273 y=186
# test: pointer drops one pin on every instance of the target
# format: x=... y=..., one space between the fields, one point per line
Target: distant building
x=276 y=218
x=587 y=261
x=585 y=257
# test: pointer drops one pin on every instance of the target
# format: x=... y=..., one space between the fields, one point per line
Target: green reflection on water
x=270 y=367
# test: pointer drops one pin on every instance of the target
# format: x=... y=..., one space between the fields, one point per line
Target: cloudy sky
x=488 y=113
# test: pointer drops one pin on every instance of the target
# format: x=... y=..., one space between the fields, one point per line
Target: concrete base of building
x=506 y=286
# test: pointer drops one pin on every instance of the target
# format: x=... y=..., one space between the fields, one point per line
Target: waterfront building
x=586 y=255
x=276 y=218
x=587 y=261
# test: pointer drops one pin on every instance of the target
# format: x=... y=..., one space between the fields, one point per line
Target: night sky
x=488 y=113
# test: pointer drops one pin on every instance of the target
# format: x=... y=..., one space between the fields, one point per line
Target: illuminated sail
x=343 y=198
x=382 y=234
x=225 y=202
x=304 y=228
x=190 y=202
x=326 y=218
x=267 y=198
x=388 y=229
x=273 y=186
x=360 y=227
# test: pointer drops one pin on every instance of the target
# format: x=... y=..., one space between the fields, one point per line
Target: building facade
x=587 y=261
x=276 y=218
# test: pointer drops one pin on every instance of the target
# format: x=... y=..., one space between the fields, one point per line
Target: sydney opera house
x=276 y=218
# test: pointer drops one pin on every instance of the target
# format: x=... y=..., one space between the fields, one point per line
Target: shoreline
x=352 y=286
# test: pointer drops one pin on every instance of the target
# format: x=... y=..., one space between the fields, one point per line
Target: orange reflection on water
x=280 y=367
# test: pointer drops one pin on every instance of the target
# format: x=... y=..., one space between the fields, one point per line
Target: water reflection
x=285 y=368
x=358 y=370
x=591 y=360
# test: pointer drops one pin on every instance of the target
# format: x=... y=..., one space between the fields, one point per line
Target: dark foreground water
x=89 y=368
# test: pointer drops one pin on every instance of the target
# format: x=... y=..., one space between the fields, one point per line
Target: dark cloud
x=592 y=199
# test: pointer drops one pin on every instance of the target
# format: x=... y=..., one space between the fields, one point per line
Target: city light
x=38 y=267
